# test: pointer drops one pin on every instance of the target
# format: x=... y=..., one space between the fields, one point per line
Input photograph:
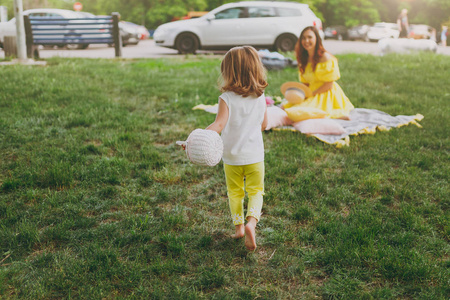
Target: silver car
x=358 y=33
x=383 y=30
x=263 y=24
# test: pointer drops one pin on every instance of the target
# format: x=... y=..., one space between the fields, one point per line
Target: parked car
x=358 y=33
x=129 y=32
x=142 y=31
x=262 y=24
x=421 y=31
x=85 y=14
x=383 y=30
x=337 y=32
x=9 y=28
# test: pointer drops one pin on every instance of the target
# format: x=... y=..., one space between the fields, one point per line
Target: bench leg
x=33 y=51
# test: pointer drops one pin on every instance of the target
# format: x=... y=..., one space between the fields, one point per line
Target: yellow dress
x=334 y=101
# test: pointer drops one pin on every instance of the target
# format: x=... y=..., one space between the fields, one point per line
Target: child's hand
x=182 y=144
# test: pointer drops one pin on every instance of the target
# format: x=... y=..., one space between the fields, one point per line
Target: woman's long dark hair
x=302 y=54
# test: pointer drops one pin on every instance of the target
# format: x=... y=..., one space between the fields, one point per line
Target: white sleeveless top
x=242 y=136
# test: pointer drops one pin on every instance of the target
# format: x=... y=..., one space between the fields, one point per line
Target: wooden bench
x=63 y=32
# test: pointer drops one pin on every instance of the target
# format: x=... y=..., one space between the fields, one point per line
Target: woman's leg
x=235 y=187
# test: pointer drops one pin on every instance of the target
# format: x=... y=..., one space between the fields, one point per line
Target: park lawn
x=98 y=202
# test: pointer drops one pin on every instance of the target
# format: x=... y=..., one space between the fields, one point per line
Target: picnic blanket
x=362 y=121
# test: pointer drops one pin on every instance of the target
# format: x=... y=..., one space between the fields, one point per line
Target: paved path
x=343 y=47
x=148 y=49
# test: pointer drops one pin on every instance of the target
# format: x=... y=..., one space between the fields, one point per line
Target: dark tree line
x=152 y=13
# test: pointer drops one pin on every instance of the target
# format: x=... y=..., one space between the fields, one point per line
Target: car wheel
x=74 y=36
x=76 y=46
x=186 y=43
x=72 y=46
x=285 y=43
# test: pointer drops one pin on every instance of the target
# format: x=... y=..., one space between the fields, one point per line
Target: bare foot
x=239 y=232
x=250 y=236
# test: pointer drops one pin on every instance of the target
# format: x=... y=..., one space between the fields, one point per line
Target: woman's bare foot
x=240 y=231
x=250 y=236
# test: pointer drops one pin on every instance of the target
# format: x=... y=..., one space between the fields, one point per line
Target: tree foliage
x=349 y=12
x=152 y=13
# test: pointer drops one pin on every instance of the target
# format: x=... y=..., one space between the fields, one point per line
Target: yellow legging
x=253 y=176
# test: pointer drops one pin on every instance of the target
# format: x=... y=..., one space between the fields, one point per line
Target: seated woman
x=319 y=70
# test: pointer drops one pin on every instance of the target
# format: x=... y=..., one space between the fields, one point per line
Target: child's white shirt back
x=242 y=136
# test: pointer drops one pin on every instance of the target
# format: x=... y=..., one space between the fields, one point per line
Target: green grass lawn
x=98 y=202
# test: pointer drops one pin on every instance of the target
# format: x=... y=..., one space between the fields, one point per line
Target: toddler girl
x=241 y=118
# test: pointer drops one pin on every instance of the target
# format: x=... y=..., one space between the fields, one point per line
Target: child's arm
x=264 y=123
x=221 y=119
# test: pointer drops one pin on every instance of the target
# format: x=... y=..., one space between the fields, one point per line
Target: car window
x=261 y=12
x=54 y=16
x=45 y=15
x=288 y=12
x=37 y=15
x=231 y=13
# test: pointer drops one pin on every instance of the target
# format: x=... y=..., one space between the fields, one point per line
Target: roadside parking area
x=148 y=49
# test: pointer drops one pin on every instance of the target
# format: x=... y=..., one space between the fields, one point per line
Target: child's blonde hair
x=243 y=72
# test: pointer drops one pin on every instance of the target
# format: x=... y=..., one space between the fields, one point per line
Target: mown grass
x=97 y=201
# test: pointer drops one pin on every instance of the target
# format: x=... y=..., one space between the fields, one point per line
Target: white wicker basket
x=203 y=147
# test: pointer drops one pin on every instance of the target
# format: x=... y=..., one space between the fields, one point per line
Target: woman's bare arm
x=323 y=88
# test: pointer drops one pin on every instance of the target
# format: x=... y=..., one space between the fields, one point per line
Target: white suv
x=275 y=25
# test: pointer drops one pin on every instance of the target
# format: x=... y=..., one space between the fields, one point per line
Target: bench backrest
x=72 y=31
x=62 y=31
